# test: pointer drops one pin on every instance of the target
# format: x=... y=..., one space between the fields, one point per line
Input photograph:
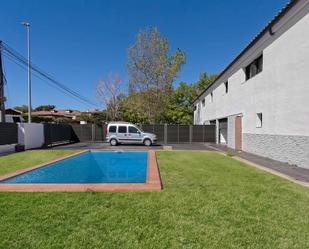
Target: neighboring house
x=13 y=116
x=260 y=102
x=67 y=114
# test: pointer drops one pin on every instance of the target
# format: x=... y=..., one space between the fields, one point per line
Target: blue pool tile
x=91 y=167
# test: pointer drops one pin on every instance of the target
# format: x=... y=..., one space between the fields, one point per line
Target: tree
x=97 y=117
x=45 y=108
x=152 y=71
x=204 y=81
x=180 y=106
x=109 y=94
x=134 y=109
x=23 y=108
x=180 y=109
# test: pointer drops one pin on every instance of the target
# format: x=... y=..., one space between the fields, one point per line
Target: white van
x=127 y=133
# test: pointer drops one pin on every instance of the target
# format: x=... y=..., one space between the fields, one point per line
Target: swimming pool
x=89 y=168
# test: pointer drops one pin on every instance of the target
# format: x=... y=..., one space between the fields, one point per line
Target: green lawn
x=17 y=161
x=208 y=201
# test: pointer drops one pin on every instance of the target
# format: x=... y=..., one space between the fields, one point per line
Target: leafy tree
x=152 y=71
x=204 y=81
x=23 y=108
x=180 y=107
x=134 y=109
x=180 y=110
x=97 y=117
x=45 y=108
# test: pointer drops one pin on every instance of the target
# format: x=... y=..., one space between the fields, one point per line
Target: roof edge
x=266 y=29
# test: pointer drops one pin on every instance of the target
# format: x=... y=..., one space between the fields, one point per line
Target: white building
x=260 y=102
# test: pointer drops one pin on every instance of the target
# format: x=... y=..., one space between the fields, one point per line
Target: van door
x=134 y=135
x=122 y=133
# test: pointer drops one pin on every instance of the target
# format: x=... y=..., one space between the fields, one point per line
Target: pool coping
x=153 y=181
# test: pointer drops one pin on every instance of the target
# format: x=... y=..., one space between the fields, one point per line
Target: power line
x=22 y=66
x=20 y=60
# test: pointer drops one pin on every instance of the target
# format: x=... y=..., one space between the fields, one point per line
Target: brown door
x=238 y=133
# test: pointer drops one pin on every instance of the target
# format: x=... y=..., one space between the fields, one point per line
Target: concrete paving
x=129 y=147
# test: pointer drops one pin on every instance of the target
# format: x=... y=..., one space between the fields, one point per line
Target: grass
x=17 y=161
x=208 y=201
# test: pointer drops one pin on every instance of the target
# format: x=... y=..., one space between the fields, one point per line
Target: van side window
x=122 y=129
x=112 y=129
x=133 y=129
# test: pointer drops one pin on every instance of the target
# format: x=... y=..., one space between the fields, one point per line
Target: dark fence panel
x=182 y=133
x=210 y=133
x=157 y=129
x=83 y=132
x=172 y=134
x=58 y=134
x=99 y=132
x=204 y=133
x=165 y=133
x=8 y=133
x=198 y=133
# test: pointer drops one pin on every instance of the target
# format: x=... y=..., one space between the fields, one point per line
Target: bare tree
x=109 y=93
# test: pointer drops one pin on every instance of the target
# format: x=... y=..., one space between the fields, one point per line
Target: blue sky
x=82 y=41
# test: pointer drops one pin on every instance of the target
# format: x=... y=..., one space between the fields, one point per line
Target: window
x=259 y=120
x=122 y=129
x=226 y=84
x=195 y=107
x=16 y=119
x=211 y=97
x=133 y=130
x=203 y=102
x=254 y=68
x=112 y=129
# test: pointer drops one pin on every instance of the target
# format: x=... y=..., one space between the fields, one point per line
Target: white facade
x=279 y=94
x=31 y=135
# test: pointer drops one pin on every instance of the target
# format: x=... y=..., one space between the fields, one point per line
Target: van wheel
x=113 y=142
x=147 y=142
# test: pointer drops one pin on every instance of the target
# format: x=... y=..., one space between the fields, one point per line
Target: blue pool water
x=91 y=167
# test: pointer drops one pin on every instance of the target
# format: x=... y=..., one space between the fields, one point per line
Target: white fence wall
x=31 y=135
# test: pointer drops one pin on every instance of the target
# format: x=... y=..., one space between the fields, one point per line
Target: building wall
x=280 y=92
x=291 y=149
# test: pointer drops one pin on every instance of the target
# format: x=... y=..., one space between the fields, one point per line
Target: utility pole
x=27 y=25
x=2 y=98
